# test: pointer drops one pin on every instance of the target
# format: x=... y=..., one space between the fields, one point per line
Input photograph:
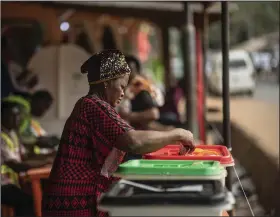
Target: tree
x=251 y=20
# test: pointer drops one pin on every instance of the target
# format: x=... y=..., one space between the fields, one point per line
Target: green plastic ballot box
x=171 y=170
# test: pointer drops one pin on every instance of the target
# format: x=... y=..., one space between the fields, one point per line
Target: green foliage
x=251 y=20
x=157 y=69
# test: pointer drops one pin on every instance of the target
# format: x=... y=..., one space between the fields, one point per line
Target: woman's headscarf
x=105 y=66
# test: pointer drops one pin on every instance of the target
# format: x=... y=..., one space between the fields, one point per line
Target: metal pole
x=166 y=56
x=189 y=59
x=205 y=80
x=226 y=93
x=225 y=57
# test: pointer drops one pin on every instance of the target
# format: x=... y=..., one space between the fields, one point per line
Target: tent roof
x=161 y=13
x=213 y=7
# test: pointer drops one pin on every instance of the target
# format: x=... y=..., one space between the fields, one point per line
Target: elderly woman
x=95 y=140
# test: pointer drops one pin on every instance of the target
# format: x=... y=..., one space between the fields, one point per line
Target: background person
x=32 y=107
x=20 y=84
x=139 y=106
x=12 y=162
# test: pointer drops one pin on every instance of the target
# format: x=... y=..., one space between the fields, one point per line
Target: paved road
x=267 y=91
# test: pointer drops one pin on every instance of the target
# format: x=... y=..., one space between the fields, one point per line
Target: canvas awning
x=161 y=13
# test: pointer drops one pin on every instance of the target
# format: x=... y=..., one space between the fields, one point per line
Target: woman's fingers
x=189 y=146
x=183 y=150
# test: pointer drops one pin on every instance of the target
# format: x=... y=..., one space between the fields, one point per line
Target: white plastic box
x=149 y=204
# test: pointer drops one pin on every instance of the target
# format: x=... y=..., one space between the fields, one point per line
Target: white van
x=241 y=73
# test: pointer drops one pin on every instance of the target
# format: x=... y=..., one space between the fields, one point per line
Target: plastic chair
x=7 y=211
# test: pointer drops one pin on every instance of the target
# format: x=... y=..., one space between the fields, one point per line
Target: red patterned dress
x=85 y=161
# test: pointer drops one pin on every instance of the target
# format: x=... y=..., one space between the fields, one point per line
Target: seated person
x=142 y=101
x=139 y=107
x=169 y=112
x=12 y=164
x=33 y=136
x=135 y=66
x=14 y=78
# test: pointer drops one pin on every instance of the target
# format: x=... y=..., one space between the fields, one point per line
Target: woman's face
x=114 y=90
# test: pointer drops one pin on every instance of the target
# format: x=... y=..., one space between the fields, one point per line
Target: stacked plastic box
x=167 y=184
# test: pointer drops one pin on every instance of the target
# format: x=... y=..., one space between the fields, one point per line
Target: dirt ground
x=260 y=121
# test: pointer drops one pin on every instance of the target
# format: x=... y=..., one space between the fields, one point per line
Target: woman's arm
x=24 y=166
x=17 y=166
x=142 y=142
x=122 y=136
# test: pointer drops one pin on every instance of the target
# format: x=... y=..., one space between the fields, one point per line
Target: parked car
x=241 y=73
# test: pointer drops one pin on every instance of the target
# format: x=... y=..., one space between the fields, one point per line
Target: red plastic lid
x=202 y=152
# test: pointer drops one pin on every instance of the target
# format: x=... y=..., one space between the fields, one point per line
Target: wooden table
x=35 y=176
x=225 y=213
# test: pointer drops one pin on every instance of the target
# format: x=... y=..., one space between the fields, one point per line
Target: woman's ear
x=105 y=85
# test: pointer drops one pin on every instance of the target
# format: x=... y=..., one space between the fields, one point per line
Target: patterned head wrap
x=104 y=66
